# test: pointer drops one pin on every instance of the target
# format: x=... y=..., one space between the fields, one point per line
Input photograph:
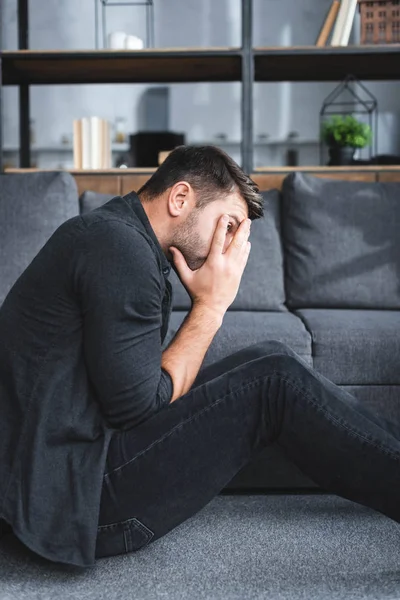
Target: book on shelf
x=344 y=23
x=95 y=135
x=85 y=144
x=77 y=143
x=328 y=24
x=91 y=143
x=348 y=23
x=337 y=32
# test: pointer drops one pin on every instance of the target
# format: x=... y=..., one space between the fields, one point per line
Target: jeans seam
x=312 y=400
x=188 y=420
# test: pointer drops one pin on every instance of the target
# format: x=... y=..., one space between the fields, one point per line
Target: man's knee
x=286 y=360
x=274 y=356
x=273 y=347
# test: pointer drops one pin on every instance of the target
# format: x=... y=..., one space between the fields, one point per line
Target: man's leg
x=165 y=470
x=5 y=528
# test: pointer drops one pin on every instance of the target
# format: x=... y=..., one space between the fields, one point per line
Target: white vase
x=116 y=40
x=133 y=43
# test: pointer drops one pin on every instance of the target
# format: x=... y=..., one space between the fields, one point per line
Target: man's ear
x=179 y=199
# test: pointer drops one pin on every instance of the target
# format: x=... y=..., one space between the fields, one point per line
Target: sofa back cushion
x=32 y=206
x=262 y=285
x=341 y=242
x=89 y=200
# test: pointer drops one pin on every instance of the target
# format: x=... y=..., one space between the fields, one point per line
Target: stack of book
x=338 y=23
x=92 y=144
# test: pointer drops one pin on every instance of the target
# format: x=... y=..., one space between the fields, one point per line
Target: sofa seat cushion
x=241 y=329
x=342 y=243
x=32 y=207
x=355 y=347
x=262 y=284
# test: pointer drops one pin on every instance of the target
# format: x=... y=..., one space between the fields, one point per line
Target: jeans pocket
x=122 y=537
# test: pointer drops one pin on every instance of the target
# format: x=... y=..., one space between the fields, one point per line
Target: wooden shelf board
x=330 y=63
x=257 y=170
x=179 y=65
x=60 y=149
x=121 y=66
x=136 y=171
x=351 y=169
x=179 y=50
x=352 y=49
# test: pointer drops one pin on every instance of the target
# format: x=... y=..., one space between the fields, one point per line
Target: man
x=106 y=442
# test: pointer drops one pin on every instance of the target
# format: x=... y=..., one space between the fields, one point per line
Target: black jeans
x=165 y=470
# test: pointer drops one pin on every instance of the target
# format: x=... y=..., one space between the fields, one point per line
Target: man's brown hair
x=210 y=171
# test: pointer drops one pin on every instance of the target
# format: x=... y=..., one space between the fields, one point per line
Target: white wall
x=202 y=111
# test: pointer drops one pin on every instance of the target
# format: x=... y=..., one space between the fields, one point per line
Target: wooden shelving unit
x=246 y=64
x=184 y=65
x=309 y=63
x=189 y=65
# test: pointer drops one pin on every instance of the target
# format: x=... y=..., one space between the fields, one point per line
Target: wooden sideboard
x=122 y=181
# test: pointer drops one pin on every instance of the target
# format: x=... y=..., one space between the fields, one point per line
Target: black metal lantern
x=101 y=28
x=351 y=97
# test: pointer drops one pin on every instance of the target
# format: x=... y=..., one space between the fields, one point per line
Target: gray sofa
x=323 y=276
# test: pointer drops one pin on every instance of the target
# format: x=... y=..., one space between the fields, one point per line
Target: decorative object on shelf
x=343 y=134
x=32 y=131
x=344 y=23
x=132 y=42
x=65 y=140
x=328 y=24
x=120 y=135
x=292 y=153
x=146 y=146
x=123 y=40
x=116 y=40
x=163 y=155
x=380 y=21
x=349 y=98
x=119 y=40
x=123 y=161
x=92 y=148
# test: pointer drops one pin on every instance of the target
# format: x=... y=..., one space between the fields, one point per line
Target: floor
x=238 y=547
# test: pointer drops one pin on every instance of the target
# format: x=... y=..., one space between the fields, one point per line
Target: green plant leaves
x=346 y=130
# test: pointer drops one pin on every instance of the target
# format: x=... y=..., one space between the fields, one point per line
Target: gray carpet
x=236 y=548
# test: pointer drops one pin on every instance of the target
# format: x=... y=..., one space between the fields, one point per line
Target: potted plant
x=343 y=134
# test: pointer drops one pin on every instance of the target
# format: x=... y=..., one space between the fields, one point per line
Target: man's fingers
x=240 y=238
x=180 y=263
x=245 y=254
x=219 y=236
